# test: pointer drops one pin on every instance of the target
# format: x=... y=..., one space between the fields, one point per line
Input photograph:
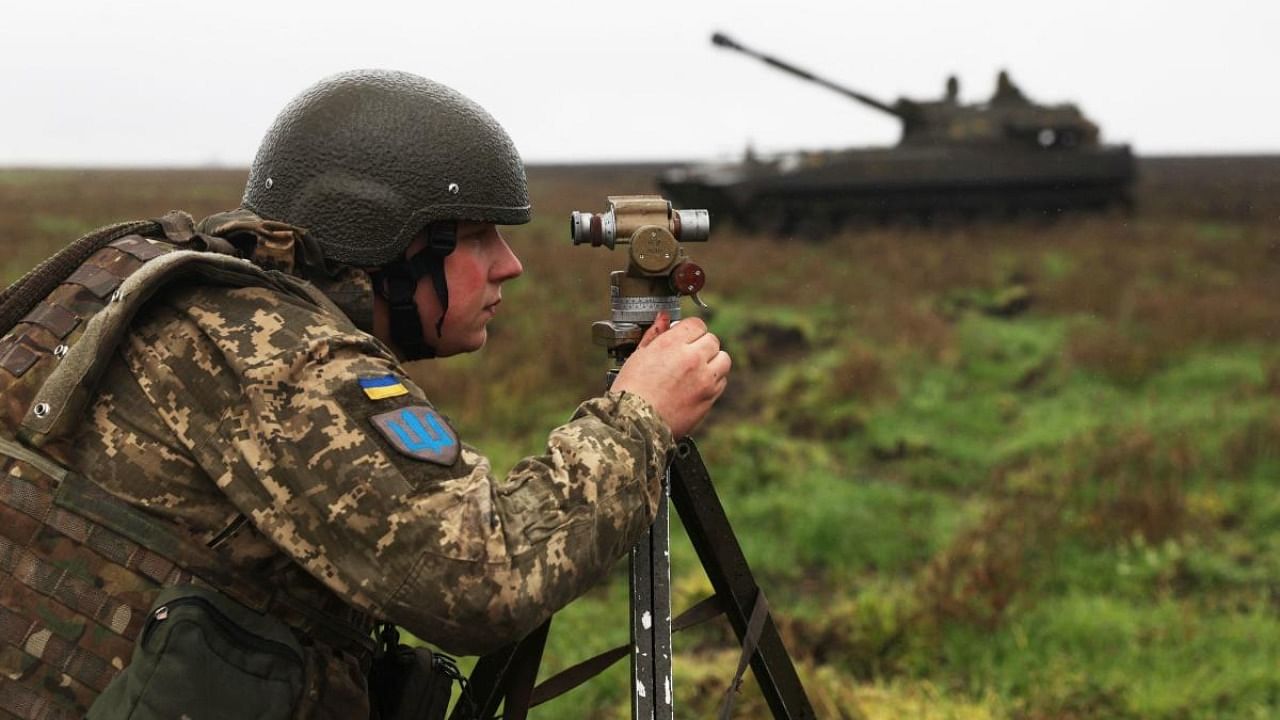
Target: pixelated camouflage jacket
x=79 y=568
x=239 y=415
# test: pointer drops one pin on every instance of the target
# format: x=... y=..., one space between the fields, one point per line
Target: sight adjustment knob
x=687 y=279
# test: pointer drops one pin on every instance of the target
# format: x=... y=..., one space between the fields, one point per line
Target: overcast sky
x=163 y=82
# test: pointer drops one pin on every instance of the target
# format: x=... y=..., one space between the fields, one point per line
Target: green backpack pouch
x=411 y=683
x=202 y=655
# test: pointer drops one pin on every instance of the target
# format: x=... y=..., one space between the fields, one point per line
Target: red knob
x=687 y=279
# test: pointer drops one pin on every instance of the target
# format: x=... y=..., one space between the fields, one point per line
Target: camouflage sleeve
x=265 y=392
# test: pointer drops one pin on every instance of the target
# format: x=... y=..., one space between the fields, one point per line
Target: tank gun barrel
x=724 y=41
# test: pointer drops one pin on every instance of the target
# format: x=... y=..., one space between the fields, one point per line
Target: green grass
x=1095 y=656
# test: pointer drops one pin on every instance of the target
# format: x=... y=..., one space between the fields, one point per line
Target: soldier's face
x=475 y=271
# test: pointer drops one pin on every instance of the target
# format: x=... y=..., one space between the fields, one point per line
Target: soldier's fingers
x=720 y=365
x=720 y=384
x=661 y=323
x=706 y=346
x=688 y=330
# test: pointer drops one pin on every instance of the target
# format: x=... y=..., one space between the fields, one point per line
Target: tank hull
x=833 y=188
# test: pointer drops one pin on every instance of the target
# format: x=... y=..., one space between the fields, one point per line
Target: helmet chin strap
x=396 y=282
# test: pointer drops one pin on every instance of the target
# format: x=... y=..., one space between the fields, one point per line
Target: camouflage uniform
x=237 y=415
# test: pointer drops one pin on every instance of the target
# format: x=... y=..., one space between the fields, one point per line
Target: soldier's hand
x=679 y=369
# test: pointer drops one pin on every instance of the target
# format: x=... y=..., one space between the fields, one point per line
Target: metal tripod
x=509 y=674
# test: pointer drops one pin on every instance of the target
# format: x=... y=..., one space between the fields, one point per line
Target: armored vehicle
x=1007 y=156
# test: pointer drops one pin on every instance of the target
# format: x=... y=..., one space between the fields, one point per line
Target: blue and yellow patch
x=381 y=387
x=420 y=433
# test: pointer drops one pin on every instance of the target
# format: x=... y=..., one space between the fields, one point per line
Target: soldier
x=207 y=426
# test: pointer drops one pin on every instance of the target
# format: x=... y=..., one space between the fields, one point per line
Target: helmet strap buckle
x=397 y=281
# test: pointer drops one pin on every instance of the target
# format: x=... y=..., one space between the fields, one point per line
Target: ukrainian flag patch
x=380 y=387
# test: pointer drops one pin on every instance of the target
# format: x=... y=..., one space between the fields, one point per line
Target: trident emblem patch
x=420 y=433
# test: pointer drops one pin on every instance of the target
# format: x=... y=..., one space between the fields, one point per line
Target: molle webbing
x=73 y=594
x=23 y=702
x=36 y=344
x=54 y=650
x=79 y=570
x=52 y=352
x=51 y=401
x=19 y=298
x=127 y=537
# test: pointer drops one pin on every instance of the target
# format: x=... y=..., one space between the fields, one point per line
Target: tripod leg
x=523 y=673
x=487 y=682
x=508 y=674
x=641 y=626
x=660 y=550
x=651 y=684
x=703 y=516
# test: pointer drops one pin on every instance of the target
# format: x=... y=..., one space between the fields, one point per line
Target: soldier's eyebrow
x=467 y=229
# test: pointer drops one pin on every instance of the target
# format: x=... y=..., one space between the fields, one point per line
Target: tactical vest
x=79 y=569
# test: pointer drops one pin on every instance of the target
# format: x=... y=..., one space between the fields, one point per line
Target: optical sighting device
x=658 y=272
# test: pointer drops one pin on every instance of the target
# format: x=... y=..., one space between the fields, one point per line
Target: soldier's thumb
x=660 y=325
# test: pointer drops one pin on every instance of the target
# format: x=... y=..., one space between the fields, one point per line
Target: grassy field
x=998 y=471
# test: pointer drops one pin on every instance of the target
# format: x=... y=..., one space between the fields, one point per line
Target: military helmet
x=364 y=160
